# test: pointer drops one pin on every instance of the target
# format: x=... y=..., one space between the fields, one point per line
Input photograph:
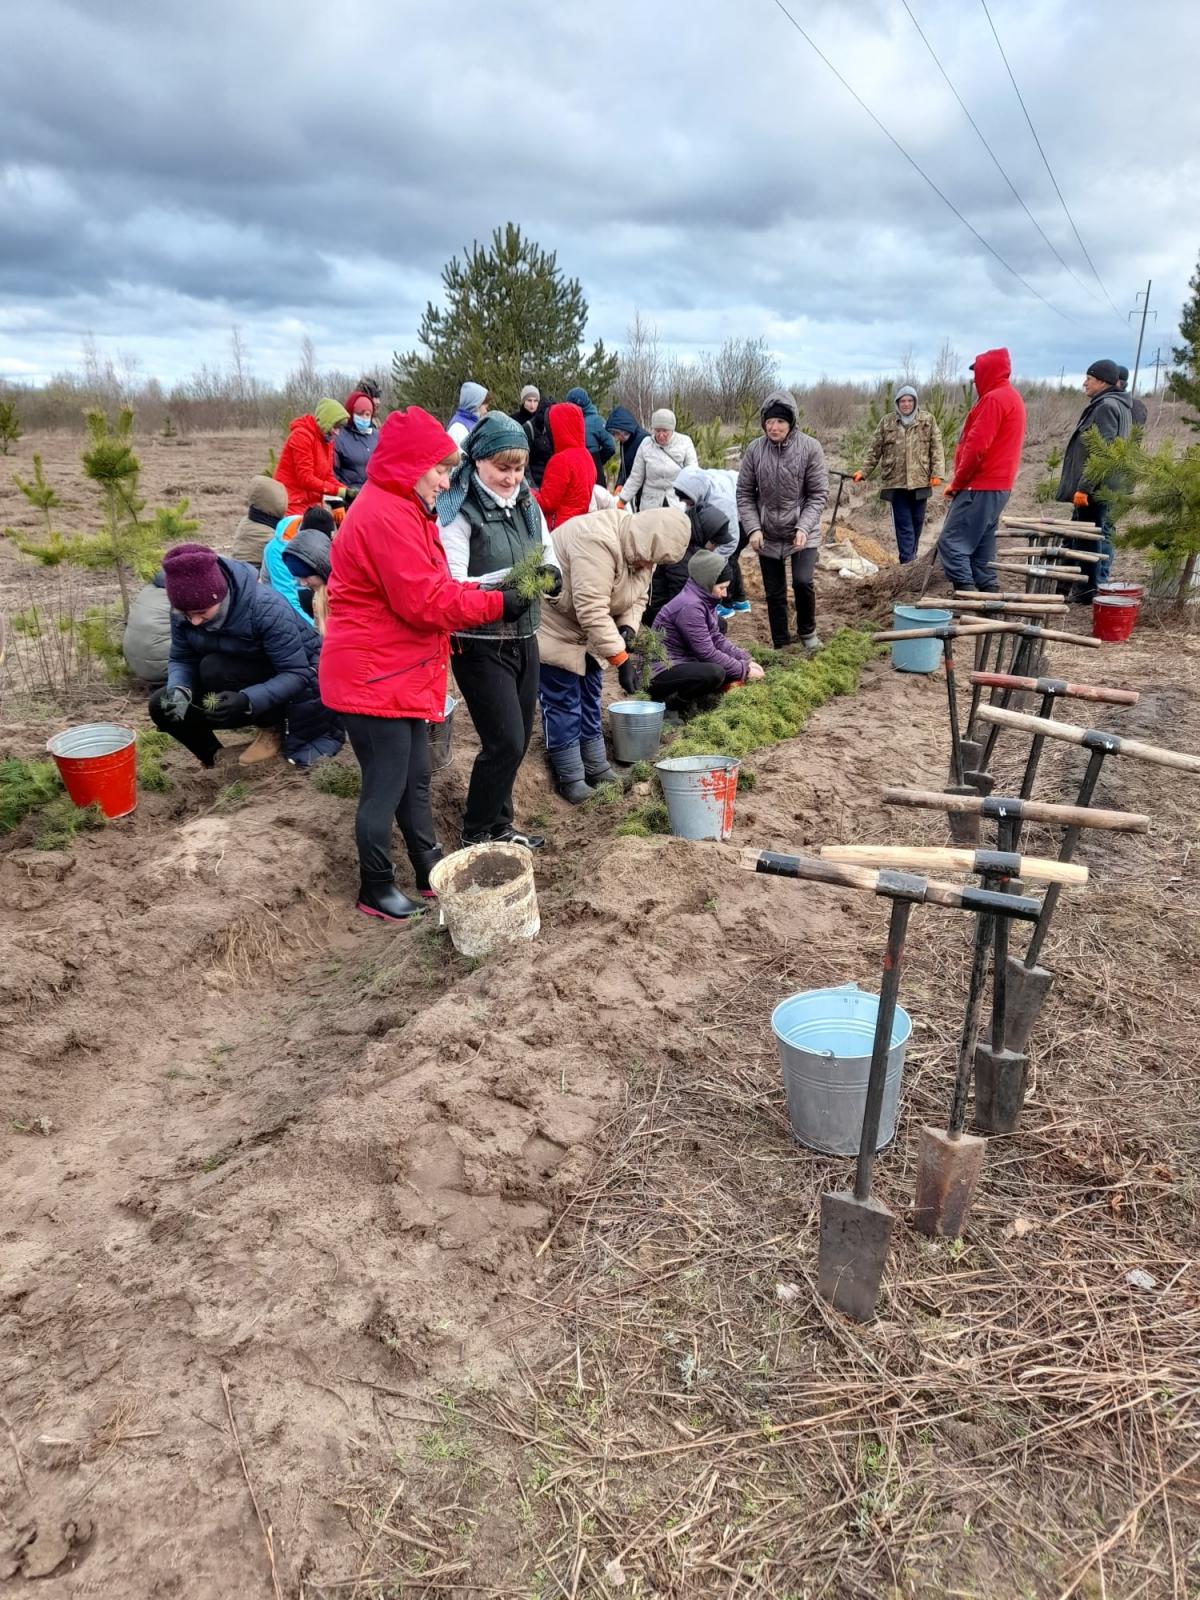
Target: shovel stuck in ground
x=856 y=1228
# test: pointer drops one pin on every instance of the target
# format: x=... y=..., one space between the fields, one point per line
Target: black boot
x=566 y=763
x=381 y=898
x=595 y=762
x=423 y=863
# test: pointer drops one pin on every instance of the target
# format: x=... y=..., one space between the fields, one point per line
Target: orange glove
x=1079 y=498
x=933 y=482
x=619 y=660
x=858 y=477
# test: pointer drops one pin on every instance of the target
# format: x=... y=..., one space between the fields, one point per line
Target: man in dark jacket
x=1136 y=403
x=600 y=445
x=240 y=657
x=628 y=433
x=985 y=468
x=1110 y=413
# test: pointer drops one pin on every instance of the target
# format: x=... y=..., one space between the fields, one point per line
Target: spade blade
x=947 y=1172
x=999 y=1089
x=1026 y=989
x=855 y=1235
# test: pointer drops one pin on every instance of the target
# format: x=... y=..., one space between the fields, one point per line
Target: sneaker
x=741 y=605
x=725 y=612
x=811 y=643
x=265 y=747
x=511 y=835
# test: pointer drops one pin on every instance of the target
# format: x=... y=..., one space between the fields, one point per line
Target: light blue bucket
x=825 y=1038
x=636 y=727
x=917 y=655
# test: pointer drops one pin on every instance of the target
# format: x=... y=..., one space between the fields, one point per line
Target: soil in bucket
x=98 y=766
x=487 y=896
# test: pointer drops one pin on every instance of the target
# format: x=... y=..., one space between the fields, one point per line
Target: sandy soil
x=312 y=1215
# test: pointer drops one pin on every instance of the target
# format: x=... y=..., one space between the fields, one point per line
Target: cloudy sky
x=168 y=171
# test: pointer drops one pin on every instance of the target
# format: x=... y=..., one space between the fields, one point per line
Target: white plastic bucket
x=487 y=896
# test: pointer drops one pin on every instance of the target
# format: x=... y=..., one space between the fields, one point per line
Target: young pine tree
x=1161 y=491
x=10 y=426
x=39 y=493
x=1184 y=380
x=510 y=318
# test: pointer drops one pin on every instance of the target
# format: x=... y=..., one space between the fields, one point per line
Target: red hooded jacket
x=392 y=602
x=989 y=449
x=305 y=467
x=570 y=474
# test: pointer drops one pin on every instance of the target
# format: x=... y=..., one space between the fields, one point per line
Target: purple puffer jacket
x=688 y=624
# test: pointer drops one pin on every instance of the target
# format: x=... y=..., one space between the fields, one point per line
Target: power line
x=945 y=199
x=1042 y=153
x=1086 y=287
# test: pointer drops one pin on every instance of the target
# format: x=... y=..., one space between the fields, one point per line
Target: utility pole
x=1157 y=364
x=1144 y=297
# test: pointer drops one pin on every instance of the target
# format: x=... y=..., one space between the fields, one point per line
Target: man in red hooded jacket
x=985 y=469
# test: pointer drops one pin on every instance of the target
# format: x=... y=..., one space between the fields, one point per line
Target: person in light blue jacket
x=601 y=445
x=275 y=571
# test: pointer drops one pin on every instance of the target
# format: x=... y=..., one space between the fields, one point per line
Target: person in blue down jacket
x=240 y=657
x=600 y=444
x=628 y=433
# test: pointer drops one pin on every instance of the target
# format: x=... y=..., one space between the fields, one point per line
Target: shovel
x=998 y=864
x=1000 y=1073
x=1031 y=982
x=856 y=1229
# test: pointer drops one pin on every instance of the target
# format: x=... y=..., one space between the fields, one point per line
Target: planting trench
x=250 y=1135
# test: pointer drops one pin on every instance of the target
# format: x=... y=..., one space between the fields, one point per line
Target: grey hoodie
x=782 y=488
x=715 y=507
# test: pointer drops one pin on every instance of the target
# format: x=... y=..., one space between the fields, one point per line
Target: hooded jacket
x=601 y=445
x=989 y=448
x=267 y=503
x=146 y=642
x=714 y=508
x=570 y=474
x=305 y=466
x=690 y=631
x=782 y=488
x=392 y=601
x=621 y=417
x=907 y=457
x=655 y=468
x=470 y=397
x=602 y=590
x=1111 y=414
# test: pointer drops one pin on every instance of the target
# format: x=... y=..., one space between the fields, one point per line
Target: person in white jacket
x=489 y=522
x=661 y=457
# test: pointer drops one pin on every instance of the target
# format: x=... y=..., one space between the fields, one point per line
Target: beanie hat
x=1122 y=376
x=494 y=434
x=663 y=418
x=1107 y=372
x=193 y=578
x=309 y=554
x=319 y=517
x=356 y=395
x=330 y=414
x=777 y=411
x=530 y=390
x=705 y=568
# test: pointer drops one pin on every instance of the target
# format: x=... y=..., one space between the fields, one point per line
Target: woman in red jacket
x=570 y=474
x=392 y=608
x=305 y=466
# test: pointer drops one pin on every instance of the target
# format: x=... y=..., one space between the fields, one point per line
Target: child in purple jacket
x=701 y=661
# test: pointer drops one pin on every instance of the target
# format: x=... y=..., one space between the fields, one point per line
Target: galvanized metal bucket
x=636 y=727
x=699 y=791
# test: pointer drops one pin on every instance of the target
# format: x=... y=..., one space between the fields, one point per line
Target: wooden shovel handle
x=930 y=858
x=1048 y=552
x=1067 y=691
x=1064 y=529
x=1009 y=805
x=1084 y=640
x=1094 y=738
x=959 y=630
x=1036 y=570
x=931 y=891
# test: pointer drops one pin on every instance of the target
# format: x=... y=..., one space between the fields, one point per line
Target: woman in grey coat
x=782 y=488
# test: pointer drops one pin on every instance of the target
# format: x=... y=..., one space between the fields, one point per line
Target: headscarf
x=495 y=434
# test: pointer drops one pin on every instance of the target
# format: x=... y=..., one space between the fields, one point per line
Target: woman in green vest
x=489 y=522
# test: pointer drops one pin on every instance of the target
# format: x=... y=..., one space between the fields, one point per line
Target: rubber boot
x=423 y=863
x=811 y=643
x=566 y=763
x=595 y=762
x=381 y=898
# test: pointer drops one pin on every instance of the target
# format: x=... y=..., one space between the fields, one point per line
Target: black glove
x=547 y=572
x=174 y=703
x=515 y=605
x=629 y=675
x=350 y=496
x=628 y=635
x=227 y=709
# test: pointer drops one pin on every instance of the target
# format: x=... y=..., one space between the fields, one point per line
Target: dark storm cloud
x=292 y=167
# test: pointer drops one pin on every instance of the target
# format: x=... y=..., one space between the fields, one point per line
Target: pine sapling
x=10 y=426
x=528 y=576
x=39 y=493
x=651 y=650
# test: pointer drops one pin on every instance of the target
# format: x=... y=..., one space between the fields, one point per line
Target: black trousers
x=680 y=687
x=775 y=576
x=393 y=753
x=215 y=673
x=499 y=682
x=737 y=588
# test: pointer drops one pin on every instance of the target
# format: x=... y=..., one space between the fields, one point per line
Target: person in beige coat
x=268 y=503
x=607 y=559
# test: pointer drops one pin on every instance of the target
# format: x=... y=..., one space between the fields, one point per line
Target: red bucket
x=1113 y=616
x=1130 y=591
x=98 y=766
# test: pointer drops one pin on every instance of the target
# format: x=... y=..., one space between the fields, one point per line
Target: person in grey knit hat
x=700 y=660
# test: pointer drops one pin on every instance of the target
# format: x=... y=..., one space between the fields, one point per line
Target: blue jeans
x=908 y=518
x=967 y=542
x=1096 y=514
x=570 y=704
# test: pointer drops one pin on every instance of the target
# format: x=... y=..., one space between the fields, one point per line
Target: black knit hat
x=777 y=411
x=320 y=517
x=1106 y=371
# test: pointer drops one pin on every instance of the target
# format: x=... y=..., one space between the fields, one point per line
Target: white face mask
x=363 y=424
